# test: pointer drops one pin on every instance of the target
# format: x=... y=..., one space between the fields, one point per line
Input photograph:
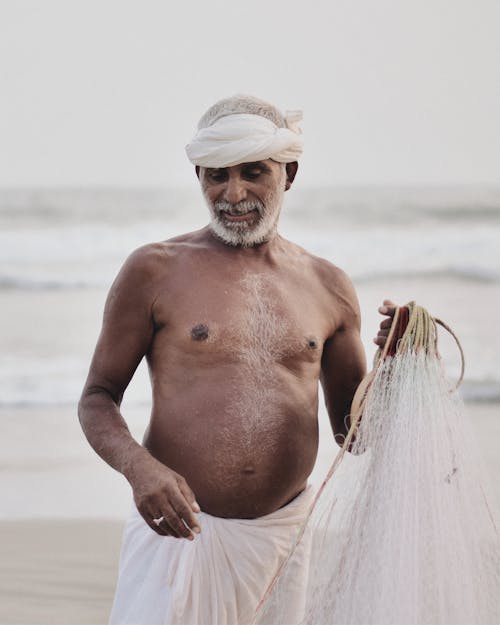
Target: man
x=238 y=325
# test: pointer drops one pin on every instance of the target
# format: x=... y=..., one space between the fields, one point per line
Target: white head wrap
x=243 y=138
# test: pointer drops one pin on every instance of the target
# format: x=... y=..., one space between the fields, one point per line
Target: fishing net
x=401 y=531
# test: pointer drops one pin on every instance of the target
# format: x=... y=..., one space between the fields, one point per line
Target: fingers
x=388 y=308
x=183 y=520
x=164 y=524
x=383 y=333
x=150 y=515
x=158 y=529
x=186 y=505
x=386 y=324
x=173 y=516
x=172 y=523
x=188 y=494
x=381 y=339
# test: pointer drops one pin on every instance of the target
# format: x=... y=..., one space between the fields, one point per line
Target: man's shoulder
x=336 y=283
x=151 y=256
x=329 y=273
x=143 y=262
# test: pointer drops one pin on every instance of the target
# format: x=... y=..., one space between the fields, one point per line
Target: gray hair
x=242 y=104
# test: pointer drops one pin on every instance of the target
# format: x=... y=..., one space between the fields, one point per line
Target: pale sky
x=108 y=92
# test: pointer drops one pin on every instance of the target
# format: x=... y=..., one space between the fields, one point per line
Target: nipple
x=312 y=343
x=199 y=332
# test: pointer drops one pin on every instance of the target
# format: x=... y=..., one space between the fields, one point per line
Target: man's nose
x=235 y=190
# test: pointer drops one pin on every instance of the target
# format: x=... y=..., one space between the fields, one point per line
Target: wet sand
x=63 y=571
x=57 y=572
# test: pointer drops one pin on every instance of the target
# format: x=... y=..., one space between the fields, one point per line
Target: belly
x=245 y=450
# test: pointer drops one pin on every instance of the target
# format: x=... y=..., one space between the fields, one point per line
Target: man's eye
x=217 y=176
x=253 y=173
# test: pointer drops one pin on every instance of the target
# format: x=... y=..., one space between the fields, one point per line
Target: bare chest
x=254 y=320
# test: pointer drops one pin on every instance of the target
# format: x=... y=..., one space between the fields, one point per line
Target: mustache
x=245 y=206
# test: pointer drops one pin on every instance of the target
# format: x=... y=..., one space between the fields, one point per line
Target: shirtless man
x=238 y=326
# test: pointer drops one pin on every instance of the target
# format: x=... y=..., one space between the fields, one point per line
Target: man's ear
x=197 y=170
x=291 y=172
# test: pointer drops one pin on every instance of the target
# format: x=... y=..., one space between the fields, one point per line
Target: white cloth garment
x=217 y=579
x=244 y=138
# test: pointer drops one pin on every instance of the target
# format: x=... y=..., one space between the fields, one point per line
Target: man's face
x=244 y=200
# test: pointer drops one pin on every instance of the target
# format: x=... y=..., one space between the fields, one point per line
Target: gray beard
x=241 y=234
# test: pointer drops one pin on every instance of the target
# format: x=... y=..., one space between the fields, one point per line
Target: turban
x=243 y=138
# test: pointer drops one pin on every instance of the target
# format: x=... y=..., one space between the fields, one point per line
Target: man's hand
x=388 y=308
x=160 y=493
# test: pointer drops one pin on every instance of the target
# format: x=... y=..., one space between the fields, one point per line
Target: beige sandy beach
x=62 y=572
x=57 y=572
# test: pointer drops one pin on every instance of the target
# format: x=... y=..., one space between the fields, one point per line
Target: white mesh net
x=403 y=532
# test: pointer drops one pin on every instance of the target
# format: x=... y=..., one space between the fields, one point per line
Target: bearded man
x=238 y=326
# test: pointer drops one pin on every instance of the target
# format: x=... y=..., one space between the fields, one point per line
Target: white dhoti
x=216 y=579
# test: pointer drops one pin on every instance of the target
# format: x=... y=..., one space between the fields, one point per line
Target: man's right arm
x=127 y=332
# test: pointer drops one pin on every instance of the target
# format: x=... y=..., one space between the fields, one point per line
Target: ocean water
x=61 y=248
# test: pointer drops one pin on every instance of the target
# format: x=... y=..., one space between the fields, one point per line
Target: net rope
x=406 y=533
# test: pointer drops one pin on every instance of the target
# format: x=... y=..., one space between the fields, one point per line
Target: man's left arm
x=343 y=364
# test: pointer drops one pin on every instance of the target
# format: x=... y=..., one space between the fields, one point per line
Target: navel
x=199 y=332
x=248 y=470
